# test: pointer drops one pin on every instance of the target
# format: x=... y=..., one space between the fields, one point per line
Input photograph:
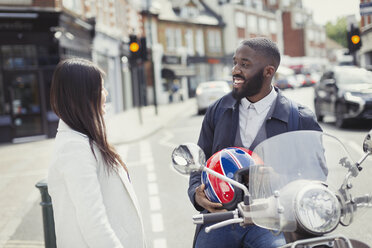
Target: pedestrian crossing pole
x=48 y=219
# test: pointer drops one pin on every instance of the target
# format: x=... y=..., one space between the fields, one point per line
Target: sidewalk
x=126 y=127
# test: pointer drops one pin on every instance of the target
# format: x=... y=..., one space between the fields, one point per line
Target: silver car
x=208 y=92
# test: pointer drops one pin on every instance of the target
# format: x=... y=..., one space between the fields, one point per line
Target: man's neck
x=264 y=92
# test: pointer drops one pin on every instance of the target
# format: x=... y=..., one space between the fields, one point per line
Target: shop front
x=31 y=45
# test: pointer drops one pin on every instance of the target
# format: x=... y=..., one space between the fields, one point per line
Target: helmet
x=226 y=162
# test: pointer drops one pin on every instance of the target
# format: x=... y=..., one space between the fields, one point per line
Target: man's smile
x=238 y=81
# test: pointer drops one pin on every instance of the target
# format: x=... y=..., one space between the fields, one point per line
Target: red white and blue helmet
x=226 y=162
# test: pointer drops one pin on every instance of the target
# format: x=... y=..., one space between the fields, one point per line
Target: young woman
x=93 y=199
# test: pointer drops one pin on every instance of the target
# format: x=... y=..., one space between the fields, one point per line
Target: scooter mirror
x=187 y=158
x=367 y=144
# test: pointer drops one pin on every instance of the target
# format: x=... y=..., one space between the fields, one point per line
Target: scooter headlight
x=317 y=209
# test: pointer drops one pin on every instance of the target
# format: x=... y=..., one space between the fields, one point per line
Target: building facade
x=114 y=22
x=366 y=35
x=301 y=36
x=247 y=19
x=35 y=35
x=188 y=46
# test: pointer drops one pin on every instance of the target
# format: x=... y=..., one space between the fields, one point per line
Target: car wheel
x=319 y=117
x=340 y=121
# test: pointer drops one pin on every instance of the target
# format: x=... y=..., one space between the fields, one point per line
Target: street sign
x=365 y=9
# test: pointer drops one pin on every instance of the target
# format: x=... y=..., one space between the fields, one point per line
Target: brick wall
x=294 y=44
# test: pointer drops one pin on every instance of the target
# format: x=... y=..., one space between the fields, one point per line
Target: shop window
x=18 y=56
x=47 y=55
x=4 y=106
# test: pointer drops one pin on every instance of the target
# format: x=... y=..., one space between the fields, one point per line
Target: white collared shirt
x=252 y=116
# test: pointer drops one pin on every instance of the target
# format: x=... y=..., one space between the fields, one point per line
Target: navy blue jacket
x=216 y=135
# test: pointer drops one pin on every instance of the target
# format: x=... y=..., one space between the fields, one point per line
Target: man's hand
x=203 y=201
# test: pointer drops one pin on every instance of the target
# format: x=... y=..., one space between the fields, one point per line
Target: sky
x=330 y=10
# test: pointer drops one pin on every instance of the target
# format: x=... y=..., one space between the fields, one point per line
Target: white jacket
x=92 y=207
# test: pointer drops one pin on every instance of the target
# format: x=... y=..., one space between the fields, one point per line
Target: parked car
x=344 y=92
x=285 y=78
x=208 y=92
x=307 y=79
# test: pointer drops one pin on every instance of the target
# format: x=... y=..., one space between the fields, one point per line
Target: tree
x=338 y=31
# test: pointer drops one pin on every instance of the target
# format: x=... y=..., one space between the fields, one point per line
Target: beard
x=250 y=87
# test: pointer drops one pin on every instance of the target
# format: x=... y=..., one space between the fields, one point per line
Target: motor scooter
x=302 y=185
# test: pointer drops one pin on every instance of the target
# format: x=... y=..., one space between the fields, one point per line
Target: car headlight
x=353 y=97
x=317 y=209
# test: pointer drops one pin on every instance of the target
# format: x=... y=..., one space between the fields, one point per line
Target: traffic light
x=134 y=47
x=137 y=48
x=143 y=49
x=354 y=41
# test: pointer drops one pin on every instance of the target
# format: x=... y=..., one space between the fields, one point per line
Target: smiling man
x=251 y=113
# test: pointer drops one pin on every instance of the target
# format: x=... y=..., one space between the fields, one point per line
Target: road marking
x=150 y=167
x=147 y=159
x=154 y=200
x=154 y=203
x=165 y=140
x=160 y=243
x=134 y=164
x=24 y=244
x=157 y=222
x=153 y=188
x=151 y=177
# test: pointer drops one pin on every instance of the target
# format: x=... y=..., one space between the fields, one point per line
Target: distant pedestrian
x=93 y=199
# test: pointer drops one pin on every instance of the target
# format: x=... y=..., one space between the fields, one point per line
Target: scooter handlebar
x=214 y=217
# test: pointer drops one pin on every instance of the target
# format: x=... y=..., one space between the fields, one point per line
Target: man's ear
x=269 y=71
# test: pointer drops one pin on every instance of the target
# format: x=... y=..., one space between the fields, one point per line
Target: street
x=162 y=192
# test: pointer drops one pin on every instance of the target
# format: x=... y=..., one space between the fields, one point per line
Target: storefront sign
x=16 y=26
x=171 y=60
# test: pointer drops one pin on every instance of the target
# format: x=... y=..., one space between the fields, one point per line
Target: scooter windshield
x=287 y=162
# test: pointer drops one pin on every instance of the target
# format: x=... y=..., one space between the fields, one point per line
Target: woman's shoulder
x=69 y=145
x=71 y=139
x=72 y=152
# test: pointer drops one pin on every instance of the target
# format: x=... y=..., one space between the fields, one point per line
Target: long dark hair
x=75 y=97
